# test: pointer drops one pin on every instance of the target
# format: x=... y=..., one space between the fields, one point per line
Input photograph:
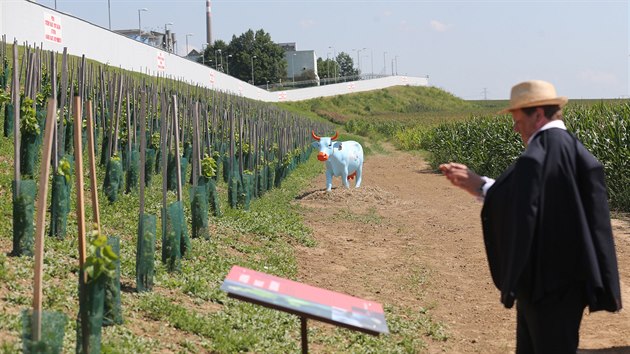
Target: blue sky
x=473 y=49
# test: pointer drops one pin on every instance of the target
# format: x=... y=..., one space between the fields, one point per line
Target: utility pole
x=253 y=82
x=485 y=94
x=384 y=64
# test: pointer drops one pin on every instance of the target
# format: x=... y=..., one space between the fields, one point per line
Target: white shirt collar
x=552 y=124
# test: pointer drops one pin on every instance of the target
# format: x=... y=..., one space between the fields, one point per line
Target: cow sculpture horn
x=315 y=135
x=335 y=137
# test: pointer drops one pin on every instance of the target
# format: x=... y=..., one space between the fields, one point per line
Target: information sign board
x=305 y=300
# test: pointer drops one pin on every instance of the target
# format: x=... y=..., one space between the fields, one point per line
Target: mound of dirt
x=367 y=195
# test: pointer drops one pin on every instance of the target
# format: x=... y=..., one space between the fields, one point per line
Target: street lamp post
x=372 y=62
x=188 y=35
x=384 y=64
x=359 y=60
x=140 y=22
x=253 y=82
x=203 y=53
x=328 y=65
x=227 y=63
x=216 y=59
x=293 y=66
x=109 y=13
x=396 y=63
x=335 y=59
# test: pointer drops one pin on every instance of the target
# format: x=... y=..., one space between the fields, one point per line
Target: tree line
x=255 y=56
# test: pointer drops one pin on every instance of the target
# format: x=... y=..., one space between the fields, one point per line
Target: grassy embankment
x=450 y=129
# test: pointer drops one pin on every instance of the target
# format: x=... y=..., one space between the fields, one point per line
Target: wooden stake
x=143 y=150
x=40 y=225
x=15 y=95
x=93 y=185
x=78 y=160
x=164 y=155
x=129 y=134
x=177 y=153
x=196 y=158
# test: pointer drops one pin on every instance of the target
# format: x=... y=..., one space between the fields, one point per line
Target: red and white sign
x=351 y=86
x=52 y=28
x=161 y=61
x=305 y=300
x=282 y=96
x=211 y=77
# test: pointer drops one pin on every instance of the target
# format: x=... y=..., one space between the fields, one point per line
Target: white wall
x=352 y=87
x=26 y=21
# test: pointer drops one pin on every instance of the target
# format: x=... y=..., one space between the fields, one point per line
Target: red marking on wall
x=52 y=28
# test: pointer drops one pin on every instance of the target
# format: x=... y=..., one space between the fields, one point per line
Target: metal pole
x=109 y=13
x=304 y=335
x=335 y=59
x=293 y=66
x=253 y=82
x=372 y=62
x=384 y=64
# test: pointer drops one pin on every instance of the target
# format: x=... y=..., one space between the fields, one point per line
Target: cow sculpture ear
x=337 y=145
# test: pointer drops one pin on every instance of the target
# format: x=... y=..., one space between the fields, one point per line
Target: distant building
x=287 y=47
x=160 y=40
x=194 y=55
x=301 y=64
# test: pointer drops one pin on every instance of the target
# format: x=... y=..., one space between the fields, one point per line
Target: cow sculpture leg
x=359 y=173
x=329 y=176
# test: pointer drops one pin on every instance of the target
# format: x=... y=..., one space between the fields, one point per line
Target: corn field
x=488 y=145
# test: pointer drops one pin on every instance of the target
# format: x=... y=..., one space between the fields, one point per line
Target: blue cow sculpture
x=343 y=159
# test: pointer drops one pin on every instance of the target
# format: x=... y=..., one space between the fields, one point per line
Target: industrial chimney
x=208 y=23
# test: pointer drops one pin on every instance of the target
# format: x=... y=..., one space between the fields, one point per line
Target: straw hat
x=533 y=93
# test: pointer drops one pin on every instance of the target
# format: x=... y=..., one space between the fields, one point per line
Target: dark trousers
x=551 y=325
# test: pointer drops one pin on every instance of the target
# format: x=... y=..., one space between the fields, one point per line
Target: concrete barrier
x=26 y=21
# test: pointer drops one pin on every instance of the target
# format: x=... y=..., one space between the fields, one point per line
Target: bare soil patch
x=407 y=237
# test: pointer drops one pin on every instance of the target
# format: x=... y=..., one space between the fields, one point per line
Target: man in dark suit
x=546 y=226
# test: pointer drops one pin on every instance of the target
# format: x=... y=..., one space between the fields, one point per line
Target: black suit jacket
x=546 y=224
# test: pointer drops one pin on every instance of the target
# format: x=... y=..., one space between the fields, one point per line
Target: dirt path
x=408 y=237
